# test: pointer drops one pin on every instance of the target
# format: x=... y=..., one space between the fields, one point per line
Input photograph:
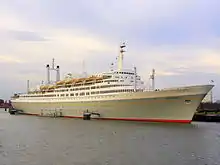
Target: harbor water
x=31 y=140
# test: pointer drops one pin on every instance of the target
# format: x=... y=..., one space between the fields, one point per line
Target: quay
x=208 y=112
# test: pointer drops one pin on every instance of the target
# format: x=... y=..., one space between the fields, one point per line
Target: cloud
x=63 y=45
x=8 y=59
x=10 y=19
x=210 y=59
x=166 y=73
x=177 y=38
x=25 y=35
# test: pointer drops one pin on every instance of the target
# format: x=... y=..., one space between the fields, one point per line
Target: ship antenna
x=135 y=79
x=152 y=76
x=111 y=67
x=83 y=68
x=211 y=93
x=121 y=56
x=28 y=86
x=52 y=64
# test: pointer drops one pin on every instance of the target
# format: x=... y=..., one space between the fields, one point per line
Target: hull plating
x=164 y=106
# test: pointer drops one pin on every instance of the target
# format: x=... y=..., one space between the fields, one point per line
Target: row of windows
x=87 y=88
x=107 y=76
x=80 y=89
x=76 y=89
x=124 y=73
x=84 y=93
x=111 y=81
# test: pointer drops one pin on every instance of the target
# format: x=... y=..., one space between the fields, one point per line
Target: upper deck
x=113 y=81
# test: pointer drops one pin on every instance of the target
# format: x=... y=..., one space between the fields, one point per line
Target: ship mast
x=121 y=57
x=135 y=79
x=211 y=94
x=52 y=68
x=84 y=73
x=28 y=86
x=152 y=76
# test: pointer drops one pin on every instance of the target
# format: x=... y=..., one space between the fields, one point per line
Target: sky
x=180 y=39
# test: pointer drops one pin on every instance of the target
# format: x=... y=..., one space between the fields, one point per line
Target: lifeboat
x=80 y=80
x=41 y=87
x=60 y=82
x=73 y=81
x=44 y=87
x=70 y=81
x=91 y=78
x=99 y=78
x=51 y=87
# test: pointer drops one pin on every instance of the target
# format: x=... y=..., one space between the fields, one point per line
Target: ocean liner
x=118 y=94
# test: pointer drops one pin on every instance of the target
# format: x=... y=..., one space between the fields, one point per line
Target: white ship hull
x=171 y=105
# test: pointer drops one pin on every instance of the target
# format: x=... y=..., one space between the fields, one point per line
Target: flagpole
x=212 y=81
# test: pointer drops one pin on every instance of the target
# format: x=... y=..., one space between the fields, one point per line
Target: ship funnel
x=58 y=73
x=48 y=73
x=57 y=69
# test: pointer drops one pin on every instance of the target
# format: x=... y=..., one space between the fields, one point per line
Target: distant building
x=1 y=101
x=208 y=98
